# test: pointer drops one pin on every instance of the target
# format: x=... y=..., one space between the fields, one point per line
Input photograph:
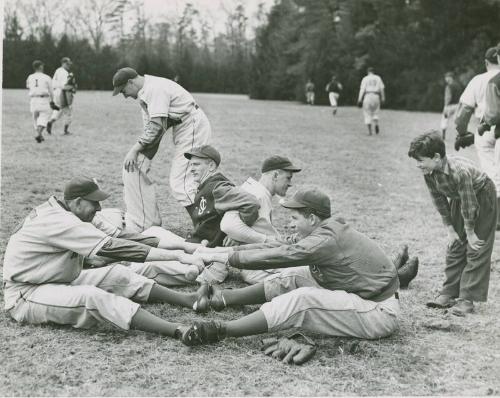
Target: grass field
x=372 y=184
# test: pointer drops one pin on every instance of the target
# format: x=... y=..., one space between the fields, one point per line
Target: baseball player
x=371 y=96
x=277 y=172
x=43 y=274
x=473 y=100
x=216 y=195
x=64 y=84
x=164 y=104
x=309 y=92
x=333 y=88
x=341 y=283
x=452 y=91
x=41 y=98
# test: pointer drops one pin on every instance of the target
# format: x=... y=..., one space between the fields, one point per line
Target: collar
x=141 y=93
x=58 y=203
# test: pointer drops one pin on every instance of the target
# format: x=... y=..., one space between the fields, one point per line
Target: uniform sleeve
x=228 y=197
x=381 y=83
x=468 y=97
x=492 y=104
x=440 y=201
x=152 y=133
x=102 y=224
x=124 y=250
x=72 y=234
x=151 y=241
x=304 y=252
x=28 y=82
x=462 y=117
x=232 y=225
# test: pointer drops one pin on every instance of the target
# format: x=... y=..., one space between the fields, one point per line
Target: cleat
x=202 y=303
x=408 y=272
x=49 y=127
x=203 y=333
x=217 y=301
x=441 y=301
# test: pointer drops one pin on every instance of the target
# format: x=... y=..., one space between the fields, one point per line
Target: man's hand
x=482 y=128
x=464 y=140
x=191 y=259
x=453 y=237
x=360 y=104
x=130 y=162
x=474 y=242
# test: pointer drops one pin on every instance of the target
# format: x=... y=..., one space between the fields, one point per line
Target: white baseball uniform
x=40 y=91
x=162 y=98
x=240 y=233
x=487 y=147
x=43 y=276
x=370 y=92
x=59 y=80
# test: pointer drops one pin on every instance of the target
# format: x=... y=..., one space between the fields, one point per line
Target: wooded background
x=268 y=55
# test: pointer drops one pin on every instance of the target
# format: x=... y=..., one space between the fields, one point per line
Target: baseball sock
x=147 y=322
x=161 y=294
x=253 y=294
x=254 y=323
x=369 y=129
x=377 y=130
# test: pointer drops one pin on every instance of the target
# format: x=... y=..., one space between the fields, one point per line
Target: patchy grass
x=373 y=185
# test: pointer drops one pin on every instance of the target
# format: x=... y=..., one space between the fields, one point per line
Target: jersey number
x=36 y=82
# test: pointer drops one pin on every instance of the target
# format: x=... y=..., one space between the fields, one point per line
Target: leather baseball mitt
x=463 y=141
x=288 y=349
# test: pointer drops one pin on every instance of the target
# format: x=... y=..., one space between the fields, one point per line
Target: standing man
x=64 y=84
x=164 y=104
x=465 y=197
x=452 y=91
x=333 y=88
x=473 y=100
x=371 y=96
x=310 y=92
x=41 y=98
x=276 y=178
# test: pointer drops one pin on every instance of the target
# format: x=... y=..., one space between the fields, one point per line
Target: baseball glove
x=482 y=128
x=288 y=350
x=203 y=333
x=53 y=106
x=463 y=141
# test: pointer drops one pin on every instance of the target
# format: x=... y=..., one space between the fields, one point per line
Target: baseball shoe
x=192 y=273
x=408 y=272
x=401 y=257
x=462 y=307
x=203 y=333
x=202 y=303
x=377 y=129
x=39 y=139
x=217 y=301
x=442 y=301
x=49 y=128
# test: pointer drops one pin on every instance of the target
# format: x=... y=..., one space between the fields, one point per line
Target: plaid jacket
x=458 y=178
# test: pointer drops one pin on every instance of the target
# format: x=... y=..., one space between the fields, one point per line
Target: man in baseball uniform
x=276 y=178
x=64 y=84
x=371 y=96
x=44 y=279
x=215 y=196
x=339 y=282
x=309 y=89
x=333 y=88
x=164 y=104
x=41 y=98
x=452 y=91
x=473 y=101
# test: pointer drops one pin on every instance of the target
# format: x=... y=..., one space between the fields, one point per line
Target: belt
x=396 y=295
x=40 y=96
x=373 y=92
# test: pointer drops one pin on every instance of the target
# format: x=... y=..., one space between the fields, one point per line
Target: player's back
x=474 y=93
x=372 y=83
x=39 y=84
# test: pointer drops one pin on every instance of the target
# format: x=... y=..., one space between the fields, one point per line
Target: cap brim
x=96 y=196
x=292 y=168
x=117 y=90
x=189 y=155
x=292 y=204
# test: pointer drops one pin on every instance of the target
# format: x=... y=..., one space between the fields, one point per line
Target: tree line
x=269 y=55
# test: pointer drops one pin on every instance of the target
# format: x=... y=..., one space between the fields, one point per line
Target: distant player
x=371 y=96
x=310 y=92
x=41 y=98
x=333 y=88
x=164 y=104
x=473 y=100
x=64 y=84
x=452 y=91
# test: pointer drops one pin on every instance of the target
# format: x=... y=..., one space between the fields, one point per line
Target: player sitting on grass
x=466 y=199
x=44 y=279
x=346 y=287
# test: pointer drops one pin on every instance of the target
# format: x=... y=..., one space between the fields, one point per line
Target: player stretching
x=371 y=95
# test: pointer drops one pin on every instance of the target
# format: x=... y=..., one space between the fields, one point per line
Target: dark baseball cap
x=277 y=162
x=121 y=77
x=204 y=152
x=491 y=55
x=313 y=199
x=84 y=187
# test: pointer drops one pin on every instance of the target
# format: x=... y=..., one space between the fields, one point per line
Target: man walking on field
x=164 y=104
x=371 y=95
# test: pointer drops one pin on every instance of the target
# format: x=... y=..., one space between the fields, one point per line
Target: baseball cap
x=37 y=63
x=205 y=152
x=84 y=187
x=121 y=77
x=65 y=60
x=313 y=199
x=491 y=55
x=277 y=162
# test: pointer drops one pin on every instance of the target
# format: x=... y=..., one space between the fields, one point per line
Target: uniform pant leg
x=334 y=313
x=485 y=148
x=163 y=234
x=139 y=195
x=287 y=280
x=165 y=273
x=194 y=131
x=253 y=277
x=475 y=278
